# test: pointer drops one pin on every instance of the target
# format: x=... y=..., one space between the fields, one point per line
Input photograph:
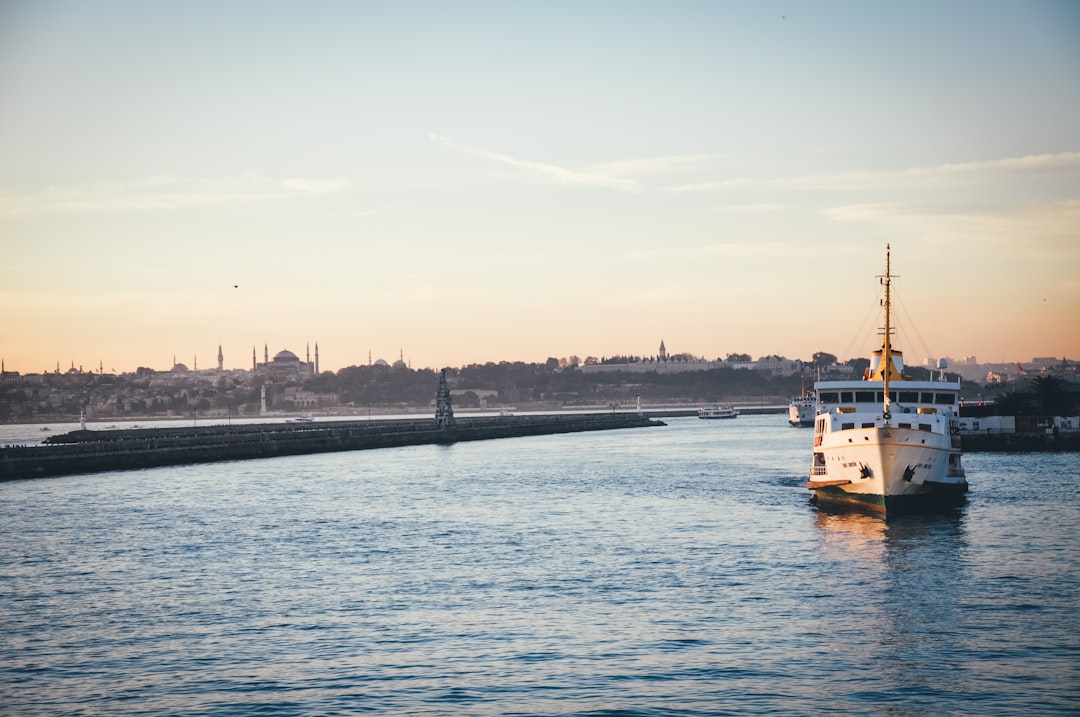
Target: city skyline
x=261 y=358
x=509 y=182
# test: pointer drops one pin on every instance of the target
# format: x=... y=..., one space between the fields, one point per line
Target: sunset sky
x=485 y=181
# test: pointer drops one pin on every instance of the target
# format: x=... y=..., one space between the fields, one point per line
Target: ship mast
x=886 y=353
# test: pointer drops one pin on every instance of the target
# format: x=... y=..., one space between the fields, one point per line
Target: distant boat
x=887 y=443
x=717 y=412
x=801 y=410
x=301 y=419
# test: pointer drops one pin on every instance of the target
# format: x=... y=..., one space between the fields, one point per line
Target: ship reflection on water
x=911 y=573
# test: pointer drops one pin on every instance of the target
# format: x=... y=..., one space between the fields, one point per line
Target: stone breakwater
x=1019 y=442
x=95 y=451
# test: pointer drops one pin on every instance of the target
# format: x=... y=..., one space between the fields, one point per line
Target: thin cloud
x=1023 y=225
x=915 y=177
x=165 y=192
x=759 y=208
x=315 y=186
x=733 y=250
x=552 y=171
x=654 y=165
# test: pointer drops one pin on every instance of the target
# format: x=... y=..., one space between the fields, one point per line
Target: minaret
x=310 y=368
x=220 y=359
x=195 y=366
x=266 y=354
x=316 y=358
x=254 y=366
x=663 y=351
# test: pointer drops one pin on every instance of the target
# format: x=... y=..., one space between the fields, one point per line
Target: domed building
x=286 y=357
x=286 y=366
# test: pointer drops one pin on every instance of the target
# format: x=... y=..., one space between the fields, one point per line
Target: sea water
x=678 y=570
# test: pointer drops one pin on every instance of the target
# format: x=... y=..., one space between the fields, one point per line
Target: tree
x=824 y=359
x=1051 y=395
x=1012 y=403
x=738 y=358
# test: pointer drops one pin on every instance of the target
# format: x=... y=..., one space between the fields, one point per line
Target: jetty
x=87 y=451
x=1028 y=442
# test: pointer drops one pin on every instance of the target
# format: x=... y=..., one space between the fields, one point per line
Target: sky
x=466 y=182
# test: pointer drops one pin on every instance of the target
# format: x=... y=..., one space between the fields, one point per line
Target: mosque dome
x=285 y=356
x=381 y=362
x=179 y=368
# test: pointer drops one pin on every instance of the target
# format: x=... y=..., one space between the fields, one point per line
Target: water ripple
x=676 y=571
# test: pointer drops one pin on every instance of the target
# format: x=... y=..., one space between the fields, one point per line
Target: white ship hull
x=888 y=470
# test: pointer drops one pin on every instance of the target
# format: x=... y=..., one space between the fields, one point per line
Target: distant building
x=665 y=363
x=308 y=399
x=285 y=366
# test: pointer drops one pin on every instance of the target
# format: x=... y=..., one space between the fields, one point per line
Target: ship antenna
x=886 y=354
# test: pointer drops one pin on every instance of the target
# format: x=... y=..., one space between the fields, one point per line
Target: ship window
x=881 y=394
x=927 y=398
x=924 y=426
x=830 y=397
x=847 y=426
x=909 y=397
x=864 y=396
x=945 y=398
x=905 y=425
x=846 y=397
x=868 y=425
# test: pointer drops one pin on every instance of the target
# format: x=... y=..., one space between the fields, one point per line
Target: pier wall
x=95 y=451
x=1019 y=442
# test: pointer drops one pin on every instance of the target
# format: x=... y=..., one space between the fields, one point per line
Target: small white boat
x=717 y=412
x=801 y=410
x=301 y=419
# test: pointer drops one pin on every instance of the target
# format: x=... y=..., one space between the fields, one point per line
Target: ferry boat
x=887 y=444
x=717 y=412
x=801 y=410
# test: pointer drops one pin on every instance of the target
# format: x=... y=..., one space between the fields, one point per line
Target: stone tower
x=444 y=411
